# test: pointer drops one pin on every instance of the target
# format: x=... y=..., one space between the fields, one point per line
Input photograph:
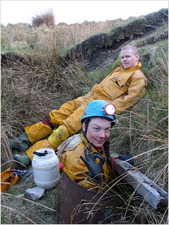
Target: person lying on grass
x=123 y=87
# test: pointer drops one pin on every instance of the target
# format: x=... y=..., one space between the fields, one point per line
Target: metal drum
x=80 y=205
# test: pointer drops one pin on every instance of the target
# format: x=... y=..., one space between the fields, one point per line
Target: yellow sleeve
x=136 y=90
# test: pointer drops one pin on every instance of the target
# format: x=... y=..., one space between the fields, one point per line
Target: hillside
x=100 y=50
x=43 y=67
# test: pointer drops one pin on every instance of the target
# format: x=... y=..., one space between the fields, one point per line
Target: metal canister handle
x=41 y=153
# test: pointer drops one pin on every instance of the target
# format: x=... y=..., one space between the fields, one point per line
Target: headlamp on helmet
x=109 y=109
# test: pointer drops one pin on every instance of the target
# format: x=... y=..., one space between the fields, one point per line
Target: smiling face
x=98 y=131
x=129 y=58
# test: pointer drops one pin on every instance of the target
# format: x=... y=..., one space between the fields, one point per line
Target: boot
x=23 y=159
x=58 y=136
x=20 y=143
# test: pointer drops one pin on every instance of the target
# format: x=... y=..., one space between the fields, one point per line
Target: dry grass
x=46 y=18
x=30 y=92
x=24 y=38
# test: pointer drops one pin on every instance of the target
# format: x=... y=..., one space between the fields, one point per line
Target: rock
x=34 y=193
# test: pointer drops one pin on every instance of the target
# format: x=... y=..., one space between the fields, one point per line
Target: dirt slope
x=100 y=50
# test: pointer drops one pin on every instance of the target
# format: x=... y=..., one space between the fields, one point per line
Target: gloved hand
x=128 y=158
x=58 y=136
x=95 y=169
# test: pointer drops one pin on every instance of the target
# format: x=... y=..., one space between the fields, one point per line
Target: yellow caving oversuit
x=122 y=87
x=77 y=170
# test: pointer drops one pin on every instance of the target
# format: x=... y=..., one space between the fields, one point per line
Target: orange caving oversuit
x=77 y=170
x=122 y=87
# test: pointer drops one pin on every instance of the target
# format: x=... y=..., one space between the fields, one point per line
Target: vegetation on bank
x=30 y=91
x=24 y=38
